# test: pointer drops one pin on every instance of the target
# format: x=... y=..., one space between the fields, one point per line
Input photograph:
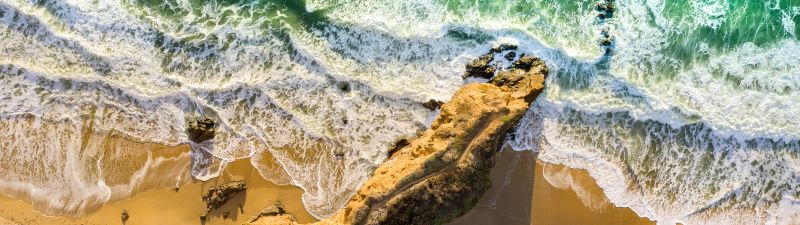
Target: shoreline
x=522 y=193
x=528 y=191
x=168 y=206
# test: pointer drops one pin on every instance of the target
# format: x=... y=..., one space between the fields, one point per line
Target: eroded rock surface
x=201 y=130
x=274 y=215
x=442 y=174
x=219 y=195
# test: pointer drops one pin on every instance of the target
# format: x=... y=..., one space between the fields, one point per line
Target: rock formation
x=484 y=66
x=274 y=215
x=201 y=130
x=442 y=174
x=433 y=104
x=125 y=216
x=219 y=195
x=481 y=67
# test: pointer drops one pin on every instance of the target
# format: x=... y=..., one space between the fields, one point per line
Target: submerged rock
x=201 y=130
x=605 y=9
x=433 y=104
x=219 y=195
x=510 y=56
x=442 y=174
x=503 y=47
x=344 y=86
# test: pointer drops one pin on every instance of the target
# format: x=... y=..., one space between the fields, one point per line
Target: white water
x=669 y=125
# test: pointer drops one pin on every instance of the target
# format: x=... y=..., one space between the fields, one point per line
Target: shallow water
x=693 y=117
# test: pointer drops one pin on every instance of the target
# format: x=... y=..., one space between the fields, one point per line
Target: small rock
x=397 y=146
x=606 y=9
x=203 y=217
x=433 y=104
x=338 y=154
x=225 y=215
x=217 y=196
x=502 y=48
x=607 y=41
x=344 y=86
x=125 y=216
x=605 y=38
x=201 y=130
x=510 y=56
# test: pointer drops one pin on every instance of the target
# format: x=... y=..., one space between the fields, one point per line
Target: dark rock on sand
x=433 y=104
x=201 y=130
x=217 y=196
x=125 y=216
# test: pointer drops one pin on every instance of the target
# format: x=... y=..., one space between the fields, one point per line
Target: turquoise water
x=692 y=118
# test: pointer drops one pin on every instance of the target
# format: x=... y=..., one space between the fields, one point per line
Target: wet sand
x=168 y=206
x=527 y=191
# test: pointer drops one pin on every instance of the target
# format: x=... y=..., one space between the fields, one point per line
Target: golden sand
x=563 y=196
x=526 y=191
x=156 y=202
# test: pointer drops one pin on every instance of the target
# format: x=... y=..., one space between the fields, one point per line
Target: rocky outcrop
x=219 y=195
x=605 y=11
x=443 y=173
x=485 y=66
x=481 y=67
x=201 y=130
x=503 y=47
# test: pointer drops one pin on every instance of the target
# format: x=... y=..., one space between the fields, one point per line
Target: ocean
x=686 y=111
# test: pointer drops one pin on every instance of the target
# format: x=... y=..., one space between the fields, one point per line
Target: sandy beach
x=168 y=206
x=527 y=191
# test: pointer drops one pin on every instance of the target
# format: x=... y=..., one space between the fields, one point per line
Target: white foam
x=273 y=84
